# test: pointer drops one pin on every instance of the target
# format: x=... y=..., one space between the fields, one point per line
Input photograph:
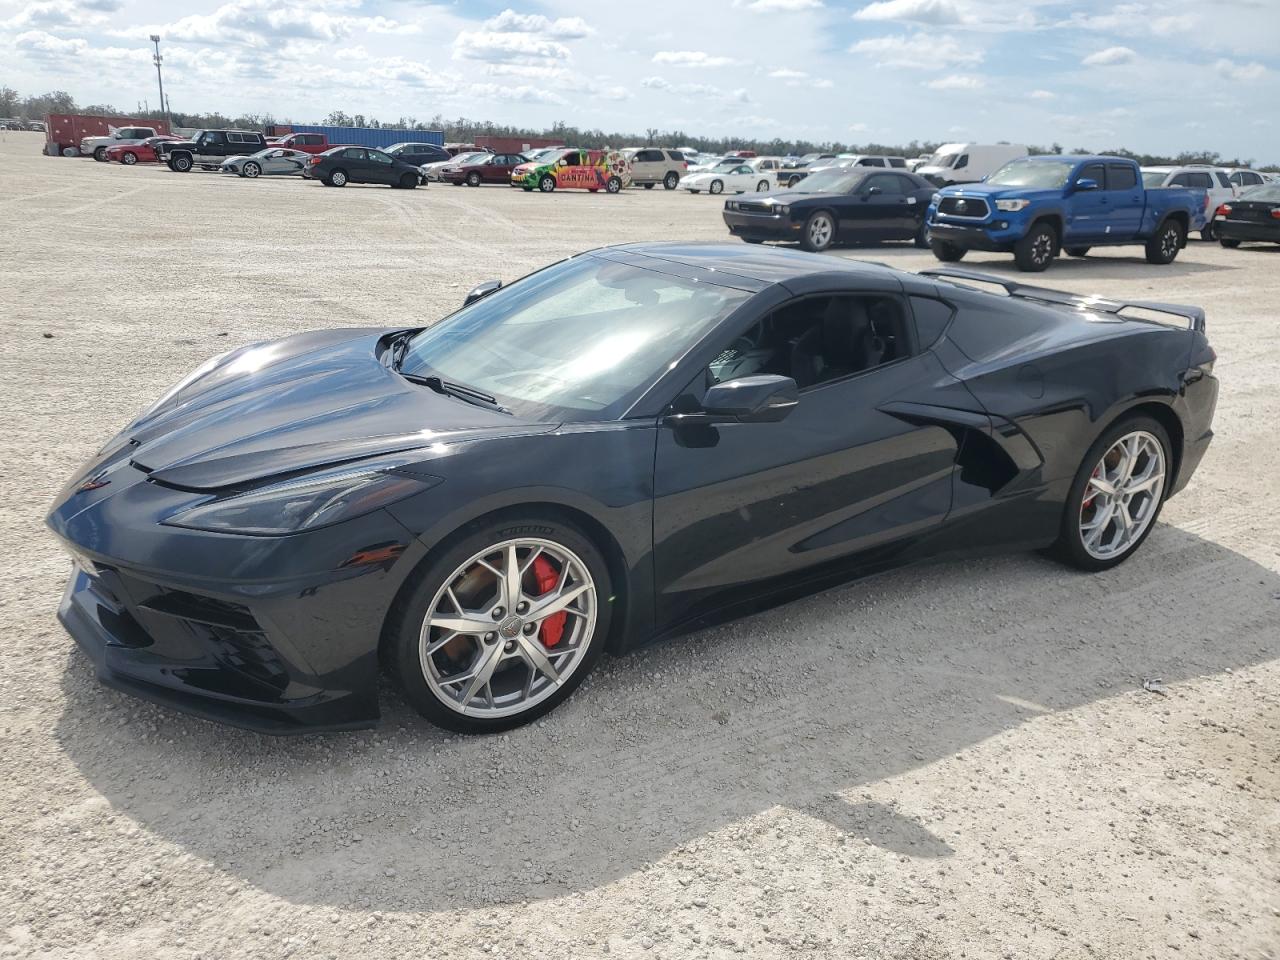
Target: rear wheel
x=791 y=182
x=128 y=158
x=671 y=181
x=762 y=186
x=1164 y=246
x=1116 y=496
x=252 y=170
x=338 y=178
x=1208 y=233
x=501 y=626
x=819 y=232
x=1229 y=243
x=1034 y=252
x=648 y=186
x=547 y=183
x=1076 y=251
x=473 y=179
x=947 y=252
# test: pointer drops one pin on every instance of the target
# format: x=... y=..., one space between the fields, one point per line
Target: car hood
x=238 y=158
x=299 y=404
x=993 y=192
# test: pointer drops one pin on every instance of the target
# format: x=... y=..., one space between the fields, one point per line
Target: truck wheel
x=819 y=231
x=100 y=154
x=1229 y=244
x=671 y=181
x=947 y=252
x=1034 y=252
x=1076 y=251
x=338 y=178
x=180 y=163
x=791 y=182
x=613 y=185
x=473 y=179
x=1163 y=247
x=252 y=170
x=547 y=183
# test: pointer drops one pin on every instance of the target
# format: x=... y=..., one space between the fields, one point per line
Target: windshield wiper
x=459 y=391
x=398 y=347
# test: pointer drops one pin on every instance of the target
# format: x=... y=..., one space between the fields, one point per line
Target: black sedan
x=621 y=446
x=343 y=165
x=1254 y=215
x=837 y=205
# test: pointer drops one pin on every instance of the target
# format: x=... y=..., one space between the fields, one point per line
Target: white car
x=431 y=171
x=1214 y=181
x=742 y=178
x=96 y=147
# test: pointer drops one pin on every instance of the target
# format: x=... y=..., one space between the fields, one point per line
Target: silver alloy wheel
x=338 y=178
x=1042 y=249
x=488 y=646
x=820 y=230
x=1122 y=495
x=129 y=159
x=716 y=186
x=252 y=170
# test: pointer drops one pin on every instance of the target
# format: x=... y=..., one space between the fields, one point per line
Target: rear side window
x=649 y=156
x=1120 y=176
x=897 y=162
x=932 y=317
x=907 y=184
x=1222 y=178
x=1200 y=181
x=676 y=155
x=354 y=154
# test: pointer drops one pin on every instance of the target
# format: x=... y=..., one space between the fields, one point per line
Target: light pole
x=164 y=104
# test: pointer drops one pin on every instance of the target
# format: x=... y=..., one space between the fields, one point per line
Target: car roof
x=732 y=266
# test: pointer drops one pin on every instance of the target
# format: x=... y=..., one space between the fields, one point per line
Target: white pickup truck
x=96 y=147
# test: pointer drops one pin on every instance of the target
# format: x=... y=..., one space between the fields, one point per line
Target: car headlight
x=305 y=503
x=1012 y=206
x=782 y=209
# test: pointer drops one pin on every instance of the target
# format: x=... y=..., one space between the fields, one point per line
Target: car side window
x=1120 y=176
x=962 y=162
x=887 y=185
x=354 y=153
x=1222 y=178
x=816 y=340
x=1096 y=172
x=377 y=156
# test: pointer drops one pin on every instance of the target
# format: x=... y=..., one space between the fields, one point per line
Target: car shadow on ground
x=799 y=707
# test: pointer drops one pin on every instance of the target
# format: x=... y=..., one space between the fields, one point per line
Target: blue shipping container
x=370 y=137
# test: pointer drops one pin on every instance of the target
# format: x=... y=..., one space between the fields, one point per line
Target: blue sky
x=1153 y=75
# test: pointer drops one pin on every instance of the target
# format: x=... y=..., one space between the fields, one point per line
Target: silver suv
x=653 y=165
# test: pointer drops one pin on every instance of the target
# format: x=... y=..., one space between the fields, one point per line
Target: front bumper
x=761 y=226
x=1247 y=229
x=974 y=236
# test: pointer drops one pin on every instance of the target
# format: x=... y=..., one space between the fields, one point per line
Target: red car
x=495 y=168
x=131 y=153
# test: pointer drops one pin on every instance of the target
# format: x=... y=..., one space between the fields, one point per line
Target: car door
x=878 y=208
x=741 y=504
x=1089 y=209
x=355 y=161
x=1125 y=199
x=382 y=169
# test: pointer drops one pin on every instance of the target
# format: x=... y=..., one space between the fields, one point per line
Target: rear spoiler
x=1193 y=315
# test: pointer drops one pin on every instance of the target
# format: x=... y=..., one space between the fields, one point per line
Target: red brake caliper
x=547 y=577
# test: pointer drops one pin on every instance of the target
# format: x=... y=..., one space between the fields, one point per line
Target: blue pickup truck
x=1034 y=207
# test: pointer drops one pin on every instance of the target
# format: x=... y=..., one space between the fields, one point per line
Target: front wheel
x=947 y=252
x=717 y=186
x=1164 y=246
x=1034 y=252
x=100 y=154
x=501 y=626
x=648 y=186
x=408 y=182
x=671 y=181
x=921 y=238
x=1229 y=243
x=473 y=179
x=819 y=232
x=1116 y=496
x=129 y=158
x=252 y=170
x=547 y=183
x=181 y=163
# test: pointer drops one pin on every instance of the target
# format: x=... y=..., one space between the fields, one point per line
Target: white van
x=968 y=162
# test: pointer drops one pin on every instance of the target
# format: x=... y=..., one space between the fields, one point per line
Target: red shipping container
x=517 y=144
x=66 y=130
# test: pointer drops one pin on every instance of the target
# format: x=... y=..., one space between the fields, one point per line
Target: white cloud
x=778 y=6
x=692 y=58
x=562 y=28
x=918 y=51
x=858 y=128
x=1042 y=95
x=1241 y=72
x=786 y=74
x=520 y=94
x=1110 y=57
x=38 y=43
x=615 y=93
x=915 y=11
x=957 y=81
x=266 y=24
x=509 y=47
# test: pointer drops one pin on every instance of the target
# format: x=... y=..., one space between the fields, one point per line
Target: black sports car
x=617 y=447
x=1254 y=215
x=834 y=206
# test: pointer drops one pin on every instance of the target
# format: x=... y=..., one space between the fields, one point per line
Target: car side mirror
x=1086 y=183
x=764 y=398
x=480 y=291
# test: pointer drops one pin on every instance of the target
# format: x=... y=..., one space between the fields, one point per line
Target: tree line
x=465 y=130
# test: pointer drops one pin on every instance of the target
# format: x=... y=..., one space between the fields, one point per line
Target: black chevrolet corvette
x=620 y=446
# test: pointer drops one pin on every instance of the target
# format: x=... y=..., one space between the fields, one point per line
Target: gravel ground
x=949 y=761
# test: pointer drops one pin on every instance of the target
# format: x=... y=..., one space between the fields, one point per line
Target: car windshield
x=1041 y=174
x=943 y=160
x=1267 y=193
x=467 y=158
x=831 y=180
x=1153 y=178
x=580 y=340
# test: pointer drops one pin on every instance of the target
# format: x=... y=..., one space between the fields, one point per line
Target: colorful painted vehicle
x=575 y=169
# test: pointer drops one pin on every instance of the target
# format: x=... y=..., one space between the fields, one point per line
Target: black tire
x=100 y=154
x=819 y=231
x=473 y=179
x=613 y=185
x=1036 y=250
x=404 y=622
x=716 y=186
x=648 y=186
x=1075 y=251
x=762 y=186
x=337 y=178
x=1208 y=234
x=408 y=182
x=793 y=181
x=547 y=184
x=921 y=238
x=1069 y=547
x=1229 y=243
x=947 y=252
x=1163 y=247
x=180 y=163
x=671 y=181
x=252 y=170
x=128 y=158
x=752 y=240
